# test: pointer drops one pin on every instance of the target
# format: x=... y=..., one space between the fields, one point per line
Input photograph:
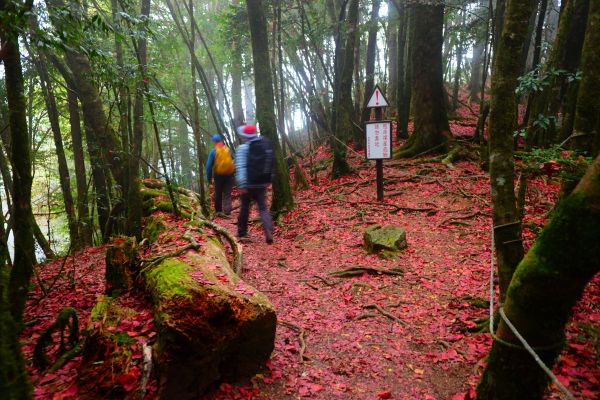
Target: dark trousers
x=223 y=185
x=260 y=196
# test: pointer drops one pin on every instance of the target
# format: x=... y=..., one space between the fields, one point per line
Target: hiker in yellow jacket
x=220 y=165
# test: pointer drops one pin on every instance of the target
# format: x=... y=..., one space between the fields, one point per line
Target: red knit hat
x=247 y=131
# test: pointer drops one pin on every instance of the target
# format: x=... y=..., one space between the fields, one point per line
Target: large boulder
x=384 y=238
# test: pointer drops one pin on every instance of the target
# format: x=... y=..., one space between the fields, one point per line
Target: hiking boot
x=269 y=238
x=243 y=238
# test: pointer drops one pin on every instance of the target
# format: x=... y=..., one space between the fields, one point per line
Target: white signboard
x=377 y=99
x=379 y=140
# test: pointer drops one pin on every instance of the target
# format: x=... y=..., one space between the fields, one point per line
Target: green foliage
x=536 y=80
x=568 y=165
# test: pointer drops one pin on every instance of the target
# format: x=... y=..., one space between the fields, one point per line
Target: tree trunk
x=199 y=140
x=431 y=130
x=544 y=289
x=134 y=201
x=459 y=61
x=282 y=193
x=587 y=118
x=20 y=158
x=342 y=96
x=104 y=145
x=63 y=169
x=392 y=40
x=370 y=68
x=236 y=78
x=506 y=69
x=13 y=375
x=404 y=91
x=479 y=47
x=86 y=226
x=559 y=93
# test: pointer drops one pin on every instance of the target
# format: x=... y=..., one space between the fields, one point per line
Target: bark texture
x=265 y=107
x=431 y=130
x=544 y=289
x=503 y=122
x=343 y=109
x=587 y=118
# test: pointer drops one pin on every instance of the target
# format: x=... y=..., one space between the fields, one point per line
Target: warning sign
x=378 y=140
x=377 y=99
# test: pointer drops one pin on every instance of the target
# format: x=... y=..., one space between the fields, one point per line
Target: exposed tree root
x=301 y=337
x=469 y=216
x=66 y=320
x=384 y=312
x=358 y=270
x=236 y=248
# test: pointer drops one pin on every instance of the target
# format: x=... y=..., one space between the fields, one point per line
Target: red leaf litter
x=329 y=345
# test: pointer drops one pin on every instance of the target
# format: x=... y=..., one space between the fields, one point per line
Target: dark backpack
x=261 y=159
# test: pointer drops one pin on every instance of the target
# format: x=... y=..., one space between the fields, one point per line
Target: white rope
x=526 y=345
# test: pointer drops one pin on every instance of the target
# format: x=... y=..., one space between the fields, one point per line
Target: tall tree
x=392 y=41
x=404 y=88
x=63 y=169
x=587 y=117
x=13 y=376
x=83 y=215
x=343 y=110
x=431 y=130
x=265 y=107
x=506 y=68
x=370 y=67
x=544 y=289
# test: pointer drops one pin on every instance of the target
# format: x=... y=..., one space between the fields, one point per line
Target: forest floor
x=332 y=340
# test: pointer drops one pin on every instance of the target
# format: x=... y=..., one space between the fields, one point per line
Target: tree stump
x=121 y=258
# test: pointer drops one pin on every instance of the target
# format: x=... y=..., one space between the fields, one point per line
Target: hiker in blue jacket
x=254 y=160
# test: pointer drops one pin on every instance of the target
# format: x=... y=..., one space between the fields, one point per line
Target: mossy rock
x=387 y=238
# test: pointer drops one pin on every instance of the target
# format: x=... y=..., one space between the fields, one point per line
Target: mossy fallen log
x=211 y=325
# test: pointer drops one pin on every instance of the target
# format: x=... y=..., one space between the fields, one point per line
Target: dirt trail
x=351 y=349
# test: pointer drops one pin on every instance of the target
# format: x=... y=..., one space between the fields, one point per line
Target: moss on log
x=211 y=325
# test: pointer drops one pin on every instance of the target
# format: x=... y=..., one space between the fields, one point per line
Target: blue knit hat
x=216 y=138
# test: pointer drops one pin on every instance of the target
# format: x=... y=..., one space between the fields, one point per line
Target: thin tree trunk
x=370 y=68
x=506 y=69
x=63 y=169
x=587 y=118
x=343 y=92
x=200 y=149
x=392 y=40
x=282 y=194
x=21 y=214
x=236 y=78
x=86 y=226
x=404 y=77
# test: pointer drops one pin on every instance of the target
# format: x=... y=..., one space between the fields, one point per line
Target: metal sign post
x=378 y=137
